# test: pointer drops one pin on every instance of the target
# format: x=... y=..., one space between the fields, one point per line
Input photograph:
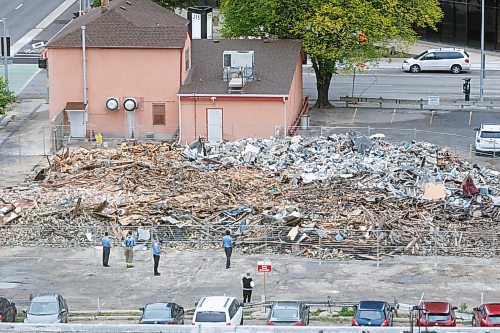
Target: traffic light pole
x=481 y=79
x=5 y=59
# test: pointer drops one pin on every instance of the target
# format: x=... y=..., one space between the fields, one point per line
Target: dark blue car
x=373 y=313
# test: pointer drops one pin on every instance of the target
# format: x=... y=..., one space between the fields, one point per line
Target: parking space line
x=354 y=115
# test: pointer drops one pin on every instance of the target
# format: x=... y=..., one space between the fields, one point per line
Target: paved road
x=394 y=83
x=24 y=15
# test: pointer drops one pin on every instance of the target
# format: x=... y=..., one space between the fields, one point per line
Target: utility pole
x=5 y=59
x=481 y=79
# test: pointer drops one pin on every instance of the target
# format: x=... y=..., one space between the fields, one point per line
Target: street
x=394 y=83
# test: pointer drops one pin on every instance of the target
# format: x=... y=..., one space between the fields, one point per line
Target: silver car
x=47 y=308
x=289 y=313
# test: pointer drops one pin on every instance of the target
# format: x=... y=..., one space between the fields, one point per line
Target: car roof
x=154 y=306
x=214 y=303
x=492 y=308
x=45 y=297
x=437 y=307
x=286 y=304
x=446 y=50
x=371 y=305
x=490 y=127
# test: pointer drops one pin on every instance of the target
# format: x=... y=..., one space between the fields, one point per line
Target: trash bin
x=304 y=121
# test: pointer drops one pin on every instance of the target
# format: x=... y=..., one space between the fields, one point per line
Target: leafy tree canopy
x=6 y=97
x=333 y=32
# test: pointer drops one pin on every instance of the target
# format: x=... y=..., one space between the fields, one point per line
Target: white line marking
x=29 y=80
x=19 y=6
x=40 y=26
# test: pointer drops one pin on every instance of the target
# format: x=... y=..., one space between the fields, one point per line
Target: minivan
x=454 y=60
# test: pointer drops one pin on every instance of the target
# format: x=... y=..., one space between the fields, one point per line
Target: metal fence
x=319 y=243
x=46 y=140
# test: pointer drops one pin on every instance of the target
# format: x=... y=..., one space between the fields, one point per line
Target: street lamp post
x=5 y=59
x=481 y=79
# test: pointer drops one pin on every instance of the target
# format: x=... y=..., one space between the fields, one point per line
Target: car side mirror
x=141 y=309
x=415 y=308
x=475 y=309
x=196 y=304
x=476 y=129
x=454 y=308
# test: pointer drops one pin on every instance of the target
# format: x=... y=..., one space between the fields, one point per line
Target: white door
x=77 y=123
x=428 y=62
x=214 y=121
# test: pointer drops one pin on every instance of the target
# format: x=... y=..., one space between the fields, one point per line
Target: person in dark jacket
x=248 y=284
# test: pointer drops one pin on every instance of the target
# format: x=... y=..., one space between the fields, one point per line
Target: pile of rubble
x=344 y=196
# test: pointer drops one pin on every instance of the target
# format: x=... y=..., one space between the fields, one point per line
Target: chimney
x=104 y=6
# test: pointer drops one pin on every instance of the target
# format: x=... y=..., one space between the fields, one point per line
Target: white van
x=487 y=139
x=218 y=311
x=454 y=60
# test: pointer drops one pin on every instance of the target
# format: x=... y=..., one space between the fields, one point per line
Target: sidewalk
x=24 y=139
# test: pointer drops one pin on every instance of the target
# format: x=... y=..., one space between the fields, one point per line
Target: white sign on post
x=433 y=100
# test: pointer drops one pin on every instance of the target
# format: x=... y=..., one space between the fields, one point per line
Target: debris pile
x=344 y=196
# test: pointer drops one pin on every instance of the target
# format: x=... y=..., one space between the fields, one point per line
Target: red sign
x=263 y=268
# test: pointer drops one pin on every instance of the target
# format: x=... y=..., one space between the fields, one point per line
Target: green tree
x=170 y=4
x=333 y=32
x=6 y=97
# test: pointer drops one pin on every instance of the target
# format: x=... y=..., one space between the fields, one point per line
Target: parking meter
x=466 y=88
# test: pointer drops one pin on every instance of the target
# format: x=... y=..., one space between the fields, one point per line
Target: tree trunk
x=323 y=79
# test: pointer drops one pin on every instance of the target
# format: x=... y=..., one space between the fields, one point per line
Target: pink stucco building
x=144 y=76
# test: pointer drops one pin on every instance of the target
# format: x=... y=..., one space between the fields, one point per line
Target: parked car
x=218 y=311
x=436 y=314
x=454 y=60
x=162 y=313
x=487 y=139
x=487 y=315
x=373 y=313
x=288 y=314
x=47 y=308
x=8 y=310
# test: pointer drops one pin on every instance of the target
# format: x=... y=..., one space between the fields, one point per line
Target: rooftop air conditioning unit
x=241 y=62
x=237 y=82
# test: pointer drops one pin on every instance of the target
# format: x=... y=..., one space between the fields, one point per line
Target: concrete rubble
x=339 y=197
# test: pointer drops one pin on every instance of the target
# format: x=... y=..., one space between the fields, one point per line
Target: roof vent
x=216 y=40
x=266 y=40
x=123 y=7
x=128 y=3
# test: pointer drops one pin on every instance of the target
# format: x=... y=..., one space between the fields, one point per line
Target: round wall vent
x=130 y=104
x=112 y=104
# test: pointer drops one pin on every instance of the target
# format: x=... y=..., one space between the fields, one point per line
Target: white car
x=218 y=311
x=487 y=139
x=454 y=60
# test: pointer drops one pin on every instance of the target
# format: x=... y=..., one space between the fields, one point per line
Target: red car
x=436 y=314
x=487 y=315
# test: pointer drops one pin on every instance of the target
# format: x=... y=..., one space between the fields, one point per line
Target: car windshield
x=490 y=135
x=419 y=55
x=438 y=317
x=494 y=319
x=369 y=315
x=288 y=314
x=210 y=317
x=156 y=313
x=44 y=308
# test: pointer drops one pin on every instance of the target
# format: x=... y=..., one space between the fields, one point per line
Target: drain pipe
x=285 y=128
x=84 y=60
x=180 y=121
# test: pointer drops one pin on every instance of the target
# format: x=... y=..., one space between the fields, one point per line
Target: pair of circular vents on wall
x=129 y=104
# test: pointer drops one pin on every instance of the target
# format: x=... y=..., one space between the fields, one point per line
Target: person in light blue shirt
x=106 y=249
x=156 y=256
x=227 y=242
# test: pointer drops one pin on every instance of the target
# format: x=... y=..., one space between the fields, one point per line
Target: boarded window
x=158 y=114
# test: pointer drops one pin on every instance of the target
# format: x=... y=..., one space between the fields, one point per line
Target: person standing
x=248 y=284
x=156 y=256
x=129 y=249
x=106 y=249
x=227 y=242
